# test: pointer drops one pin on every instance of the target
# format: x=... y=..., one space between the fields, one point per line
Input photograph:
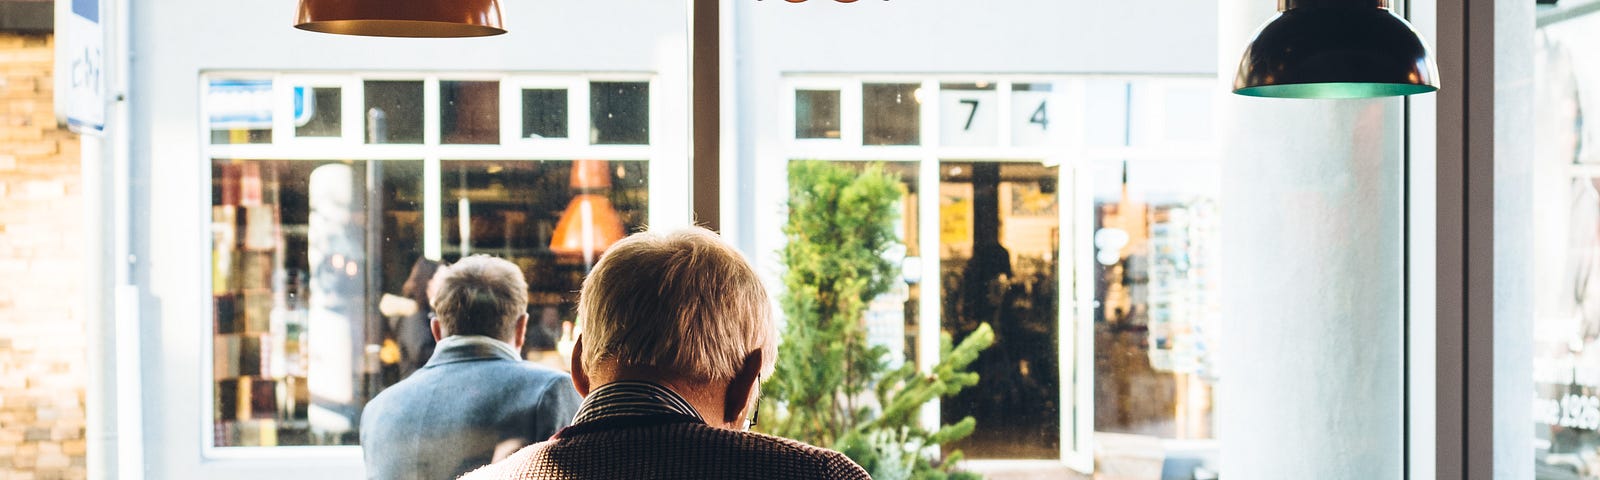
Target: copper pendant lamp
x=590 y=223
x=1336 y=49
x=401 y=18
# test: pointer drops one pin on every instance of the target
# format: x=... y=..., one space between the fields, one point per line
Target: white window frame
x=1070 y=152
x=668 y=204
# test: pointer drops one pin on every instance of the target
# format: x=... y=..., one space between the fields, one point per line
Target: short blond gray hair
x=481 y=295
x=680 y=301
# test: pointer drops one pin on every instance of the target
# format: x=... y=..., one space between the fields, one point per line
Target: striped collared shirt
x=629 y=397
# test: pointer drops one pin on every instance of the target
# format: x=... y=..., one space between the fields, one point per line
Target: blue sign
x=247 y=104
x=239 y=104
x=89 y=9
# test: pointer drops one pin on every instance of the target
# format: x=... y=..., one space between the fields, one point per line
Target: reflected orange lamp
x=401 y=18
x=590 y=224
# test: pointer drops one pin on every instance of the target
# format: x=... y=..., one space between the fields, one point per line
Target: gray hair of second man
x=481 y=295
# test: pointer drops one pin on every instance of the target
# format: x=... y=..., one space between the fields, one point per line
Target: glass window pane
x=526 y=212
x=318 y=112
x=1156 y=255
x=394 y=111
x=999 y=265
x=816 y=114
x=619 y=113
x=1105 y=113
x=970 y=114
x=891 y=113
x=1566 y=257
x=302 y=252
x=544 y=113
x=1031 y=115
x=1187 y=114
x=469 y=112
x=240 y=111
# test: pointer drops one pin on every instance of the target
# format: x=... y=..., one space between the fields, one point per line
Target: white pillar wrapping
x=1311 y=203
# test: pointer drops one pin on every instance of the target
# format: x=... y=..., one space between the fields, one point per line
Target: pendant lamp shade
x=401 y=18
x=588 y=227
x=590 y=175
x=590 y=223
x=1336 y=49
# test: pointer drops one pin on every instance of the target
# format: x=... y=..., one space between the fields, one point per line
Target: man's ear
x=433 y=325
x=521 y=331
x=742 y=388
x=580 y=378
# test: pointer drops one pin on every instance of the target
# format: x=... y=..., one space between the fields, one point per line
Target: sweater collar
x=631 y=398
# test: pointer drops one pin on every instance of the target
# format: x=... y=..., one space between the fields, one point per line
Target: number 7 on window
x=970 y=113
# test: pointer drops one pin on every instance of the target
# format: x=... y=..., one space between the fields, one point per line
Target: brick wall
x=42 y=321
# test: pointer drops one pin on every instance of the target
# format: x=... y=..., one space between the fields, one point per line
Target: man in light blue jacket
x=476 y=395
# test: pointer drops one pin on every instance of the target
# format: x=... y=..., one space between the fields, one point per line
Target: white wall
x=174 y=41
x=1513 y=239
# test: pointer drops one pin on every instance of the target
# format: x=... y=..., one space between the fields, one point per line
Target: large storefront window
x=335 y=198
x=1566 y=373
x=1077 y=218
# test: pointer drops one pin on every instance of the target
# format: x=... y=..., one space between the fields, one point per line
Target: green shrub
x=831 y=388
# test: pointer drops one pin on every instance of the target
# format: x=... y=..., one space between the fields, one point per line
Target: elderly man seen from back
x=678 y=333
x=475 y=395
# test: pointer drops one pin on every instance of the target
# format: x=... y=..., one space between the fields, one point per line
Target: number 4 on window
x=1041 y=116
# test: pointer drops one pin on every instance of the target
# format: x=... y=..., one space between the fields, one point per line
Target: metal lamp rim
x=1332 y=52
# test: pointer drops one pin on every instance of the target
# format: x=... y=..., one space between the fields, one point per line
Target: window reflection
x=318 y=266
x=469 y=112
x=544 y=113
x=318 y=112
x=240 y=111
x=816 y=114
x=999 y=262
x=513 y=209
x=891 y=113
x=619 y=113
x=300 y=251
x=394 y=111
x=1566 y=207
x=1155 y=274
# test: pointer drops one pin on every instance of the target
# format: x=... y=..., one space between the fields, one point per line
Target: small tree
x=831 y=388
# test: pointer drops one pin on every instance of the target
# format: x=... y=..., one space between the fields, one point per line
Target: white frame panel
x=511 y=110
x=849 y=111
x=350 y=103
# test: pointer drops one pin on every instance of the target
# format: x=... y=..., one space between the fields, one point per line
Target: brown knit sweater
x=666 y=447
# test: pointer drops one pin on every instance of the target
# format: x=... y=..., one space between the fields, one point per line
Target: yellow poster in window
x=955 y=216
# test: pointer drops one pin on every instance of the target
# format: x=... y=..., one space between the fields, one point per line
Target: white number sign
x=969 y=117
x=1032 y=118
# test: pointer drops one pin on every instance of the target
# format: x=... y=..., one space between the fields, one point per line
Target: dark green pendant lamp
x=1336 y=49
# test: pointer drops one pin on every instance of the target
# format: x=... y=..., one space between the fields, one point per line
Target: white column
x=1513 y=243
x=1311 y=354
